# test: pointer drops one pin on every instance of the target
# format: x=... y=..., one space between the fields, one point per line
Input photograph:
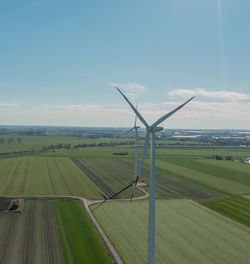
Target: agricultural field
x=4 y=204
x=232 y=171
x=186 y=232
x=161 y=152
x=28 y=176
x=49 y=231
x=194 y=230
x=80 y=243
x=30 y=237
x=115 y=172
x=246 y=196
x=236 y=208
x=38 y=142
x=220 y=178
x=111 y=173
x=172 y=186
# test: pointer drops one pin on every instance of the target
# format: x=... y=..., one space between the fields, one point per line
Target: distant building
x=247 y=161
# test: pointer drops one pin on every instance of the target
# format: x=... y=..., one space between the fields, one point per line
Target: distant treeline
x=69 y=146
x=10 y=140
x=89 y=145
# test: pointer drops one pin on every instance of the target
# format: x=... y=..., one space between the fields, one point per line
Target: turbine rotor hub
x=156 y=129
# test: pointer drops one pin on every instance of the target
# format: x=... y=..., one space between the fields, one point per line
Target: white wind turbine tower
x=151 y=130
x=135 y=127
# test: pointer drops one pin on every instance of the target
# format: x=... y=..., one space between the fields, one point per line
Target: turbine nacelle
x=155 y=129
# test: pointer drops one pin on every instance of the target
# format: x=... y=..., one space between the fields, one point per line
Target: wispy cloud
x=204 y=94
x=85 y=107
x=8 y=106
x=205 y=111
x=200 y=113
x=132 y=90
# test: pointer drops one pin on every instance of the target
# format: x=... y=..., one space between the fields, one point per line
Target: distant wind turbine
x=151 y=130
x=135 y=127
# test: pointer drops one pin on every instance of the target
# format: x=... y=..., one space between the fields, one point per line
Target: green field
x=30 y=237
x=49 y=232
x=247 y=196
x=236 y=208
x=224 y=179
x=115 y=173
x=228 y=170
x=168 y=152
x=38 y=142
x=80 y=243
x=186 y=232
x=44 y=176
x=112 y=172
x=196 y=234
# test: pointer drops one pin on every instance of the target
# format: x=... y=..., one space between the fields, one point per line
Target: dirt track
x=86 y=203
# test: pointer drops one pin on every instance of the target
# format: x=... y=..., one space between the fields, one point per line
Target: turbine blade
x=136 y=116
x=134 y=109
x=112 y=197
x=104 y=196
x=131 y=129
x=122 y=190
x=160 y=120
x=100 y=204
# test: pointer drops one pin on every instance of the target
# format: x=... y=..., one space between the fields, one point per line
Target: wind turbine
x=151 y=130
x=135 y=127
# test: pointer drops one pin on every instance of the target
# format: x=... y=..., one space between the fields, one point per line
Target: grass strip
x=80 y=243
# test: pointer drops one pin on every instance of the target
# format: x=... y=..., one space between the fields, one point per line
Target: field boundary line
x=105 y=188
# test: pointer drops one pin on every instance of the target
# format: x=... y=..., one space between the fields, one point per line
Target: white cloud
x=86 y=107
x=204 y=94
x=131 y=89
x=199 y=113
x=9 y=105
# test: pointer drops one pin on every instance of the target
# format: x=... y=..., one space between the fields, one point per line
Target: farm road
x=86 y=203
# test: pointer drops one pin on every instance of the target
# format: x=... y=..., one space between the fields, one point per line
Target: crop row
x=106 y=189
x=44 y=176
x=30 y=237
x=171 y=186
x=189 y=170
x=45 y=231
x=80 y=243
x=237 y=208
x=111 y=173
x=186 y=232
x=238 y=174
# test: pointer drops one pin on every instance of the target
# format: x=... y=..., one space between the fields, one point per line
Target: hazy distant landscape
x=80 y=162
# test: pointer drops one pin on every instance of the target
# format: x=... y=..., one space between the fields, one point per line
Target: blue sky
x=60 y=60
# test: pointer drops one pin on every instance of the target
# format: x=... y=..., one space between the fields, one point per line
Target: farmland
x=208 y=175
x=40 y=142
x=237 y=172
x=186 y=232
x=115 y=173
x=80 y=243
x=30 y=237
x=111 y=173
x=236 y=208
x=49 y=232
x=44 y=176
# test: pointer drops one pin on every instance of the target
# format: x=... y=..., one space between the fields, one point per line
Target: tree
x=10 y=140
